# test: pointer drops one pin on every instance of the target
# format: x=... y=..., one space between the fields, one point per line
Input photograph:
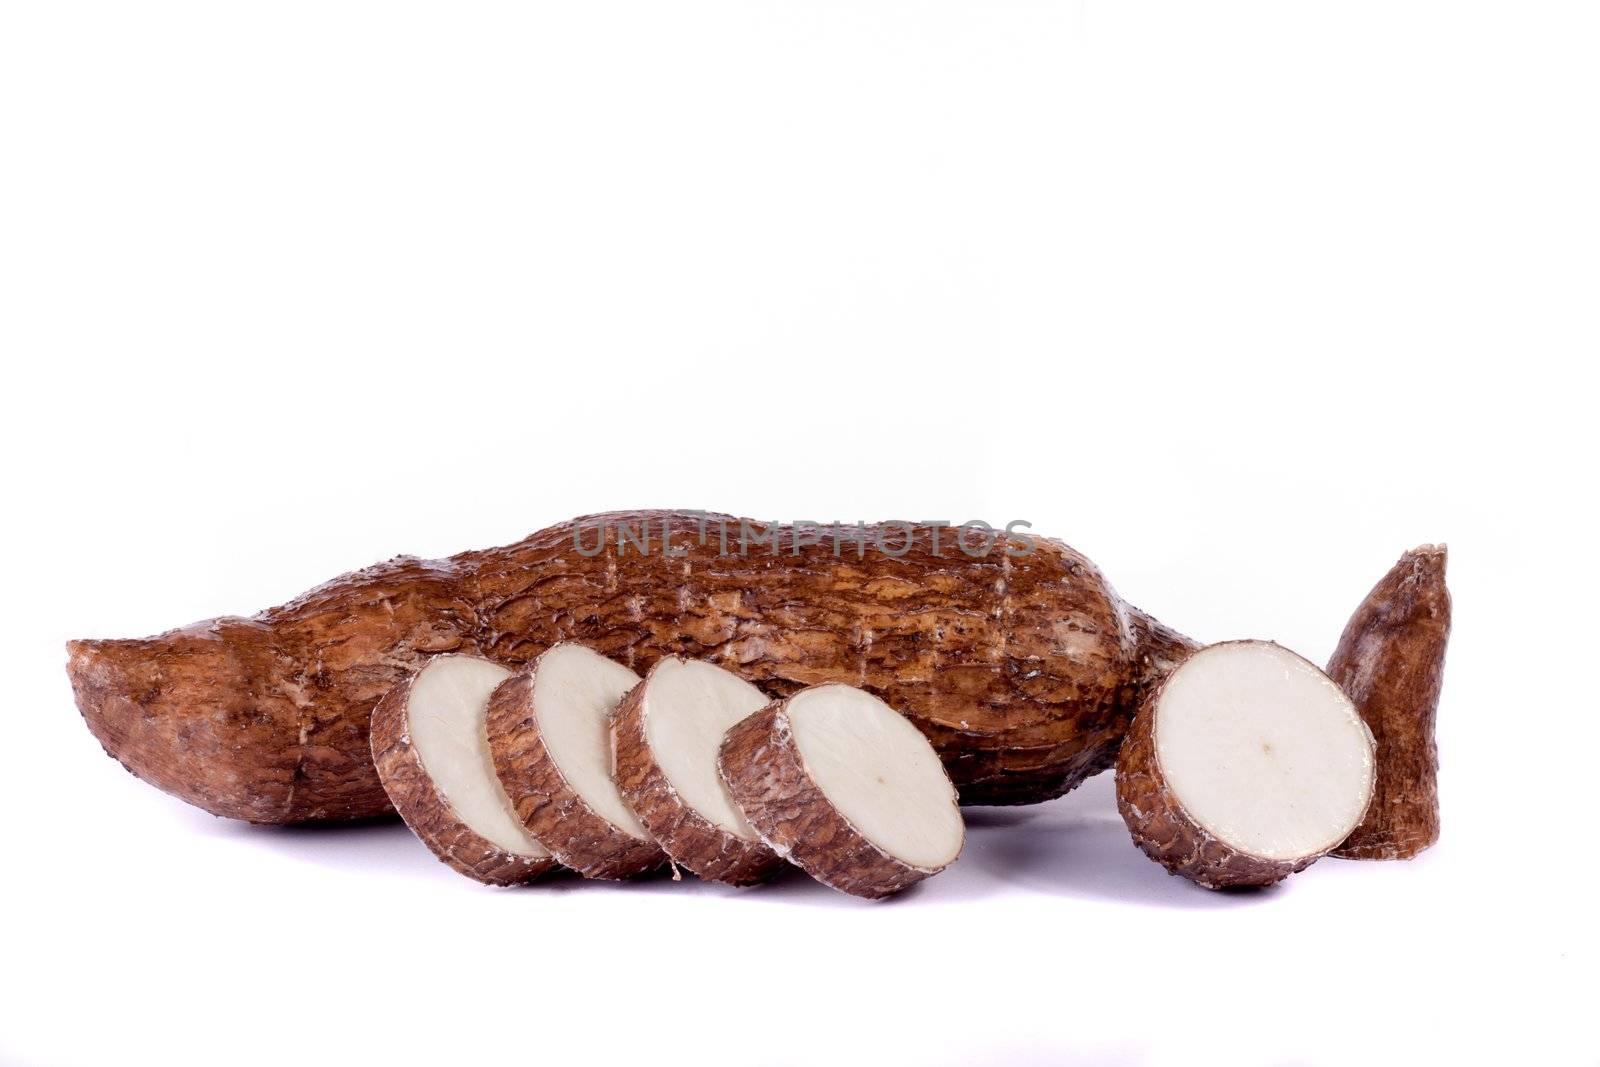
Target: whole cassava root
x=1390 y=660
x=1022 y=666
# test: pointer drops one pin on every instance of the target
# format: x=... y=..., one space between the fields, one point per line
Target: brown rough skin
x=1166 y=833
x=763 y=769
x=425 y=809
x=554 y=813
x=689 y=838
x=1022 y=670
x=1390 y=663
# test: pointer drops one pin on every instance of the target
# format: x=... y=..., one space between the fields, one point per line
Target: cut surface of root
x=432 y=756
x=549 y=730
x=1244 y=765
x=574 y=692
x=666 y=735
x=846 y=788
x=879 y=772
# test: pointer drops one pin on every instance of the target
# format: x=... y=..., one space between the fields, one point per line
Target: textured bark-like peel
x=267 y=718
x=1023 y=670
x=555 y=813
x=1390 y=660
x=767 y=775
x=687 y=836
x=425 y=809
x=1167 y=832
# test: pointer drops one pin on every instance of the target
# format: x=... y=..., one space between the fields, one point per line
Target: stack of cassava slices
x=575 y=761
x=822 y=703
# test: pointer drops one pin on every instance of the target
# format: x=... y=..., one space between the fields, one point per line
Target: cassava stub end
x=1390 y=660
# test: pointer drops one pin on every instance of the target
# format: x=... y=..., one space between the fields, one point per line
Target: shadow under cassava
x=1075 y=847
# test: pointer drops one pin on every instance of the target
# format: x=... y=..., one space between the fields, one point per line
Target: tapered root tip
x=1430 y=558
x=102 y=684
x=78 y=652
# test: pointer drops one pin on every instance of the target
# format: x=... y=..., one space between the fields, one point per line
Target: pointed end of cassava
x=177 y=711
x=108 y=678
x=1424 y=566
x=98 y=683
x=1390 y=660
x=1436 y=553
x=1415 y=585
x=89 y=659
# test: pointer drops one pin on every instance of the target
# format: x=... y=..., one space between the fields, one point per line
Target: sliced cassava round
x=549 y=731
x=432 y=755
x=846 y=788
x=1243 y=766
x=1390 y=661
x=666 y=735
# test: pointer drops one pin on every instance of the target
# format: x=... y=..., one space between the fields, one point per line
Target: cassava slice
x=432 y=755
x=844 y=787
x=1390 y=661
x=549 y=730
x=666 y=735
x=1020 y=663
x=1243 y=766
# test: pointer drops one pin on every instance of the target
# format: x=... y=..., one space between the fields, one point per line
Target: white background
x=1241 y=300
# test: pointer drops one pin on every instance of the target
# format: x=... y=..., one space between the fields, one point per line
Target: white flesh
x=445 y=718
x=879 y=772
x=575 y=690
x=688 y=706
x=1263 y=750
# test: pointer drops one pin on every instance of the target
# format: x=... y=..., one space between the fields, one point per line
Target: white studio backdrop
x=1241 y=300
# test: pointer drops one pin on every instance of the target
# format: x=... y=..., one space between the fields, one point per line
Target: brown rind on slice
x=1390 y=662
x=763 y=769
x=689 y=838
x=428 y=813
x=554 y=813
x=1166 y=833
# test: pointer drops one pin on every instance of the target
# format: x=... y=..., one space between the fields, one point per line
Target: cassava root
x=1023 y=670
x=1390 y=660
